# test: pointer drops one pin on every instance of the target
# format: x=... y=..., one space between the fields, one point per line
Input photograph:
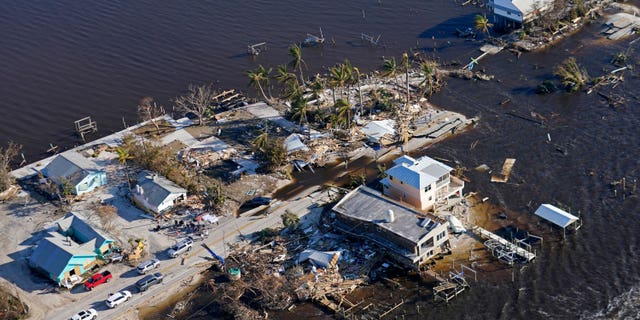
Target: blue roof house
x=71 y=251
x=83 y=174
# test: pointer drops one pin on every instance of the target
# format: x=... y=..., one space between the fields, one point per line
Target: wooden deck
x=485 y=234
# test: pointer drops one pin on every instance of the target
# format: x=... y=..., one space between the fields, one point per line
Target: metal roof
x=293 y=143
x=556 y=215
x=418 y=173
x=370 y=206
x=69 y=165
x=81 y=229
x=376 y=130
x=54 y=252
x=157 y=188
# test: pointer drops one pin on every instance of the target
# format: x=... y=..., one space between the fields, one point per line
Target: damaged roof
x=368 y=205
x=376 y=130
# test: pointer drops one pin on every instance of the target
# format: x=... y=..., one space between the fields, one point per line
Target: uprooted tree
x=572 y=75
x=6 y=157
x=149 y=110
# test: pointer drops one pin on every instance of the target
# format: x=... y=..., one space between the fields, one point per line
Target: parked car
x=148 y=265
x=117 y=298
x=115 y=257
x=259 y=201
x=181 y=247
x=98 y=279
x=85 y=315
x=146 y=282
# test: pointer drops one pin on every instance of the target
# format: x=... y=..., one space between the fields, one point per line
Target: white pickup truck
x=181 y=247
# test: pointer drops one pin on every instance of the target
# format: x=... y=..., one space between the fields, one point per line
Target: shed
x=557 y=216
x=380 y=132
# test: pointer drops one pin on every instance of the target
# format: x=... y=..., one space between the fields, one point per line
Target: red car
x=98 y=279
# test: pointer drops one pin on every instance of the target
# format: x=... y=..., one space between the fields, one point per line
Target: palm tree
x=259 y=77
x=338 y=78
x=390 y=69
x=428 y=69
x=482 y=24
x=123 y=157
x=343 y=109
x=299 y=109
x=356 y=73
x=289 y=82
x=405 y=65
x=295 y=51
x=261 y=142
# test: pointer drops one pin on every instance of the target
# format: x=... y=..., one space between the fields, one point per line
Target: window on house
x=430 y=198
x=427 y=188
x=390 y=177
x=401 y=182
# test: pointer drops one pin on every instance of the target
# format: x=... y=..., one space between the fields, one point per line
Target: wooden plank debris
x=506 y=171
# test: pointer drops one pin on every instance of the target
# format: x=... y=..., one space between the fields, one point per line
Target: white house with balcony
x=518 y=11
x=421 y=182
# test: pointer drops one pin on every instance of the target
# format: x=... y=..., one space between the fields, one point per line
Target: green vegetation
x=259 y=78
x=266 y=235
x=547 y=86
x=572 y=75
x=290 y=220
x=11 y=307
x=7 y=155
x=481 y=23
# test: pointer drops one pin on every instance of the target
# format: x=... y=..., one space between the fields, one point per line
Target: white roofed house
x=156 y=193
x=518 y=12
x=421 y=182
x=409 y=236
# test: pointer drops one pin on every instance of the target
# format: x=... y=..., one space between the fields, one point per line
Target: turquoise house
x=83 y=174
x=71 y=251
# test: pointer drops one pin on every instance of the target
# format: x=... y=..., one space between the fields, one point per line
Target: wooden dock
x=521 y=252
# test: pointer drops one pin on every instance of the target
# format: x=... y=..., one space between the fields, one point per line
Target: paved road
x=230 y=230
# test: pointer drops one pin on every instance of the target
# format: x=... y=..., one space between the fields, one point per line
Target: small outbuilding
x=558 y=217
x=71 y=167
x=156 y=193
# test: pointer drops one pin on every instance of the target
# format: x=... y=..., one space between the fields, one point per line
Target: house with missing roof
x=83 y=174
x=71 y=250
x=422 y=182
x=156 y=193
x=518 y=12
x=409 y=236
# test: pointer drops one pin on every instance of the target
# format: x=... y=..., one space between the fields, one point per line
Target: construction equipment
x=137 y=249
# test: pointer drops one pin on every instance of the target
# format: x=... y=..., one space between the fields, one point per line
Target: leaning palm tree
x=123 y=157
x=295 y=51
x=259 y=77
x=482 y=24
